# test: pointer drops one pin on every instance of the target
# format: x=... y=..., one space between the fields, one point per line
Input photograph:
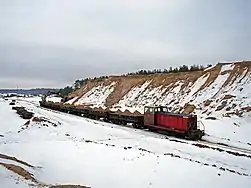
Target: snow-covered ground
x=97 y=154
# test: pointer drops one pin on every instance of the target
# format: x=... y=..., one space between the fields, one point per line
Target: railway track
x=225 y=146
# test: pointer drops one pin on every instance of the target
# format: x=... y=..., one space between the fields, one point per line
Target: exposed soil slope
x=220 y=90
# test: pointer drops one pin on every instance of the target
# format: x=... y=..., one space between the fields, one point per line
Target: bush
x=66 y=91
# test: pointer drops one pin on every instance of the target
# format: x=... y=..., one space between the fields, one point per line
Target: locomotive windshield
x=164 y=109
x=150 y=109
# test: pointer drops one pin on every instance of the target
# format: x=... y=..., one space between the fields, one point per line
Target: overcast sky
x=51 y=43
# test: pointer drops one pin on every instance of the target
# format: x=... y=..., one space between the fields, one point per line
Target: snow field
x=98 y=154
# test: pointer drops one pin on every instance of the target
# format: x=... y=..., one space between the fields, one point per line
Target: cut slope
x=175 y=90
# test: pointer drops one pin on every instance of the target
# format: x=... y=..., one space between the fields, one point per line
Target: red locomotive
x=158 y=118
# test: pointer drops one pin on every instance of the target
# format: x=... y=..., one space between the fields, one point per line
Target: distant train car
x=158 y=118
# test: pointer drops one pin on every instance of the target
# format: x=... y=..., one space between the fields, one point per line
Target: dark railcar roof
x=171 y=113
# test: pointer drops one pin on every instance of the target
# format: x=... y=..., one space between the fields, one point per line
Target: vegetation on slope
x=80 y=82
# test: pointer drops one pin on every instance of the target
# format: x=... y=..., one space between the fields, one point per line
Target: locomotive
x=182 y=125
x=155 y=118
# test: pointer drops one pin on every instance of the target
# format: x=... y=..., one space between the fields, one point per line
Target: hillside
x=221 y=90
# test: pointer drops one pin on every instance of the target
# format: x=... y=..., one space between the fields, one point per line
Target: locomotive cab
x=149 y=116
x=150 y=113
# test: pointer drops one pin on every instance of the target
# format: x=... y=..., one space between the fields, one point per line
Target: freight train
x=155 y=118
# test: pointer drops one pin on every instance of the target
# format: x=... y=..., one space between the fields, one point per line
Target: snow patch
x=211 y=91
x=209 y=68
x=196 y=87
x=228 y=67
x=97 y=96
x=129 y=100
x=71 y=100
x=53 y=99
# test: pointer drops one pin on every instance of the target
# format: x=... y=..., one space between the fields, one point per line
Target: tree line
x=183 y=68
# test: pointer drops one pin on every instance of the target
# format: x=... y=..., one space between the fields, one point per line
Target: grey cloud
x=55 y=42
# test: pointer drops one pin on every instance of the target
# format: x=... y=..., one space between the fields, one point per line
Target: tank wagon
x=155 y=118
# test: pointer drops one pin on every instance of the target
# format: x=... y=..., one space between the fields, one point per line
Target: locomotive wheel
x=193 y=136
x=182 y=136
x=151 y=129
x=136 y=126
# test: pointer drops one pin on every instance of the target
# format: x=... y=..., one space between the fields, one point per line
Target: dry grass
x=247 y=108
x=221 y=106
x=19 y=170
x=14 y=159
x=236 y=113
x=188 y=108
x=207 y=102
x=228 y=97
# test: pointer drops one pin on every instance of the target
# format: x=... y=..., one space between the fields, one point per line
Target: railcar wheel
x=123 y=123
x=136 y=126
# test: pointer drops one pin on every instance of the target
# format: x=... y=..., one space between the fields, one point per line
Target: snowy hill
x=222 y=91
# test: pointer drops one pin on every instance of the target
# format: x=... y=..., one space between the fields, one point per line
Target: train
x=155 y=118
